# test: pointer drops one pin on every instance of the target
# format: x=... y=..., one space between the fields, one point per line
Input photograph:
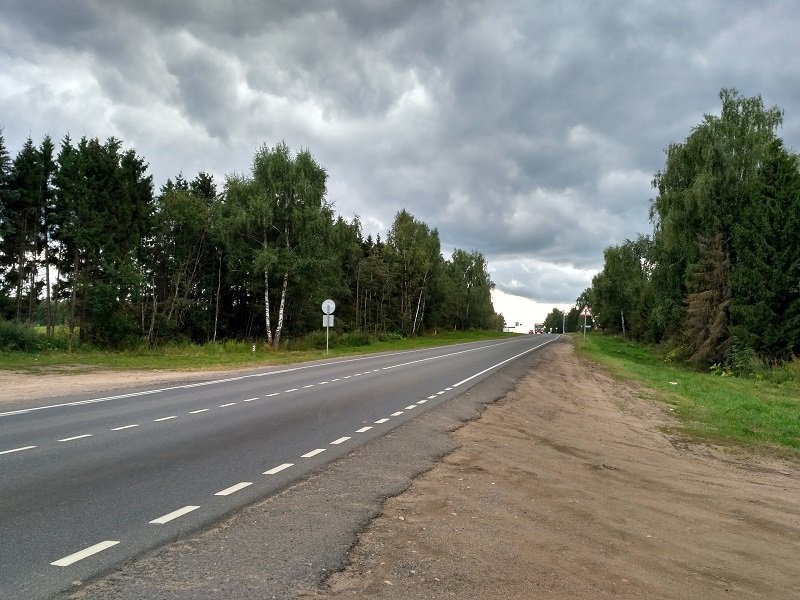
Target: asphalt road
x=87 y=483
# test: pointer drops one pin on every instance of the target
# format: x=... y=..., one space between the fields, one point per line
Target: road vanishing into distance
x=87 y=483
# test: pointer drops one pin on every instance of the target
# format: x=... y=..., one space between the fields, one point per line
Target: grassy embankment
x=221 y=355
x=762 y=411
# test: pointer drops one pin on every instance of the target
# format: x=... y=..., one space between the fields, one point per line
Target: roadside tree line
x=86 y=244
x=719 y=277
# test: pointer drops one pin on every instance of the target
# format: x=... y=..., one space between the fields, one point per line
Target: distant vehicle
x=530 y=331
x=538 y=328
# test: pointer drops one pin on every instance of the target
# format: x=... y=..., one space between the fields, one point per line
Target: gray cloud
x=529 y=131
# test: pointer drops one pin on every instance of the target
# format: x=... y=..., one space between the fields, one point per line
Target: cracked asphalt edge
x=292 y=541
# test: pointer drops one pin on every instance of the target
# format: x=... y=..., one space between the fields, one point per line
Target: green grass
x=216 y=355
x=761 y=412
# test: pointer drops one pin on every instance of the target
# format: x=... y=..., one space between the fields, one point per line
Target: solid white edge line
x=364 y=429
x=76 y=437
x=312 y=453
x=124 y=427
x=85 y=553
x=471 y=377
x=17 y=449
x=174 y=515
x=234 y=488
x=341 y=440
x=279 y=372
x=278 y=469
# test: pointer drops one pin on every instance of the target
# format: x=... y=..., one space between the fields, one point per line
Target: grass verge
x=761 y=413
x=217 y=355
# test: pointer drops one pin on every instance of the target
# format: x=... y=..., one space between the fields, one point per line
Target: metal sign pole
x=327 y=319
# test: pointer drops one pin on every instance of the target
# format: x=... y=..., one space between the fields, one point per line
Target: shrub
x=19 y=337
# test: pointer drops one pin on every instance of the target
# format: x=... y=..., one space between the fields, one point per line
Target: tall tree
x=414 y=252
x=281 y=212
x=703 y=192
x=105 y=206
x=21 y=242
x=620 y=292
x=765 y=277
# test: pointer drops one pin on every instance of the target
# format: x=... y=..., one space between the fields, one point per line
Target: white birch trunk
x=279 y=327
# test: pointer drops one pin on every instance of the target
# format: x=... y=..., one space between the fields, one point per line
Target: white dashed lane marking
x=278 y=469
x=199 y=410
x=174 y=515
x=234 y=488
x=341 y=440
x=305 y=387
x=272 y=394
x=250 y=399
x=411 y=406
x=17 y=449
x=379 y=421
x=421 y=401
x=124 y=427
x=363 y=429
x=313 y=453
x=76 y=437
x=431 y=397
x=396 y=414
x=165 y=418
x=227 y=405
x=85 y=553
x=291 y=390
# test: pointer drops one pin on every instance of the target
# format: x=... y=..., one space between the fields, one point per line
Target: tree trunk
x=150 y=340
x=47 y=285
x=266 y=308
x=216 y=307
x=279 y=327
x=72 y=300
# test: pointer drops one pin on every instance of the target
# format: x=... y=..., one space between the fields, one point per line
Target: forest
x=718 y=280
x=88 y=249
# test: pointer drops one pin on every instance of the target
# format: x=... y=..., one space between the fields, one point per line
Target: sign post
x=328 y=306
x=585 y=313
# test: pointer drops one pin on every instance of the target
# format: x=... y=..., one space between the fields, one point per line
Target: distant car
x=530 y=331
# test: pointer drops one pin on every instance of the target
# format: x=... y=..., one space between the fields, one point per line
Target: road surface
x=86 y=483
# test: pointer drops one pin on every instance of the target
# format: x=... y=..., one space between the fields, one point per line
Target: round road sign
x=328 y=306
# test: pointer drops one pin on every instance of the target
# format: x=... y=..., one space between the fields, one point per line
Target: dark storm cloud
x=529 y=131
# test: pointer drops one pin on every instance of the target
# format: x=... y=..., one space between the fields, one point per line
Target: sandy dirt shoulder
x=55 y=382
x=568 y=488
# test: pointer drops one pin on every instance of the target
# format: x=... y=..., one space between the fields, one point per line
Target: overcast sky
x=529 y=131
